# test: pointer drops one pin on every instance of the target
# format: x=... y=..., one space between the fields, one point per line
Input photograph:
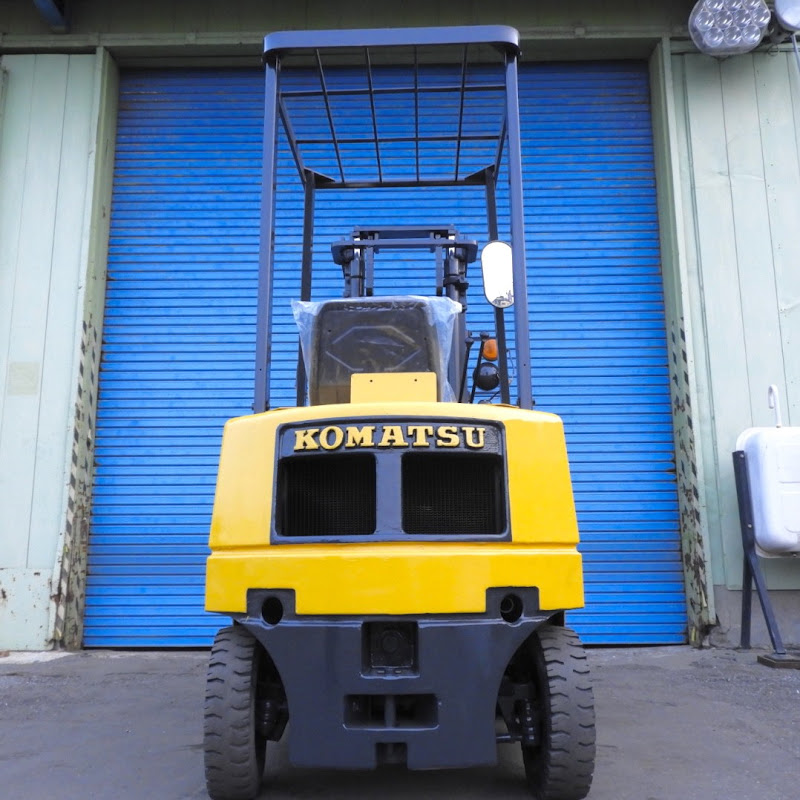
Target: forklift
x=398 y=549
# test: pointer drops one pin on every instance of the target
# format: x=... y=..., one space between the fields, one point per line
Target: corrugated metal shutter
x=178 y=347
x=180 y=320
x=597 y=328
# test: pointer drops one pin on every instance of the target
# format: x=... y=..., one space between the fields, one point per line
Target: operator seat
x=370 y=334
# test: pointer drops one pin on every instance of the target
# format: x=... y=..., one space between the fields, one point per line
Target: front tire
x=233 y=748
x=561 y=764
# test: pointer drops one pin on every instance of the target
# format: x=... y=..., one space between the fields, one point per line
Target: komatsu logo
x=348 y=437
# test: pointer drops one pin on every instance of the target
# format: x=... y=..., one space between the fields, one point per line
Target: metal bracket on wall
x=752 y=572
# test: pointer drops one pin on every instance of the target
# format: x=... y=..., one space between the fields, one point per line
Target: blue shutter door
x=178 y=347
x=180 y=324
x=597 y=332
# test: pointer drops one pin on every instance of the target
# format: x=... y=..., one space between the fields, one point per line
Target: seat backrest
x=369 y=334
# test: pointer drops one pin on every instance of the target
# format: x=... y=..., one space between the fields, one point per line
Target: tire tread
x=563 y=767
x=233 y=764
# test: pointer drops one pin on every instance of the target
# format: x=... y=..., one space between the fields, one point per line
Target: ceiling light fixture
x=729 y=27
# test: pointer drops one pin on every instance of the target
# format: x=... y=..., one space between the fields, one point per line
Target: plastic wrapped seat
x=373 y=334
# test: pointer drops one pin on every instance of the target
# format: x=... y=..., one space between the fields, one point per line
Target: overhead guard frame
x=314 y=44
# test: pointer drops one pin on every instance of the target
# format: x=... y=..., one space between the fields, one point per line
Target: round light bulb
x=751 y=35
x=723 y=19
x=761 y=16
x=732 y=37
x=704 y=20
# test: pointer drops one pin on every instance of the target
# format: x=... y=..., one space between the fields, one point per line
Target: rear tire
x=560 y=766
x=233 y=749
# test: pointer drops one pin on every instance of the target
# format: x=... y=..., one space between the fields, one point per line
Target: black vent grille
x=329 y=496
x=453 y=495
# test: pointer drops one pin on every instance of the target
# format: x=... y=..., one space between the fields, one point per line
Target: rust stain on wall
x=71 y=591
x=692 y=544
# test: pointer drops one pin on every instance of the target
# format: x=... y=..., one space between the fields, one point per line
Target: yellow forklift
x=397 y=551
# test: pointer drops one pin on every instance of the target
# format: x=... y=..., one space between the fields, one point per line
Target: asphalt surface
x=673 y=724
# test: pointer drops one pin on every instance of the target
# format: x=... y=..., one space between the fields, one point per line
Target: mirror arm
x=480 y=358
x=469 y=341
x=502 y=355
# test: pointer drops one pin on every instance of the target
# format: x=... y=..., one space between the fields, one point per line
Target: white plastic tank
x=773 y=470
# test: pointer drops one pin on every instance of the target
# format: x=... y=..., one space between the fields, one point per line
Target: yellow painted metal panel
x=402 y=578
x=241 y=516
x=387 y=387
x=540 y=489
x=242 y=513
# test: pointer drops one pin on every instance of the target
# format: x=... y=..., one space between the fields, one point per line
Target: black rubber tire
x=561 y=766
x=233 y=750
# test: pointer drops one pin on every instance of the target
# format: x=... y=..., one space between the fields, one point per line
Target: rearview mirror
x=498 y=276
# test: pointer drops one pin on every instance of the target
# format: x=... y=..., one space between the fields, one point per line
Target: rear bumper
x=353 y=707
x=394 y=578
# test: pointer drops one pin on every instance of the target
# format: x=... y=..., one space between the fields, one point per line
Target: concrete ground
x=673 y=724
